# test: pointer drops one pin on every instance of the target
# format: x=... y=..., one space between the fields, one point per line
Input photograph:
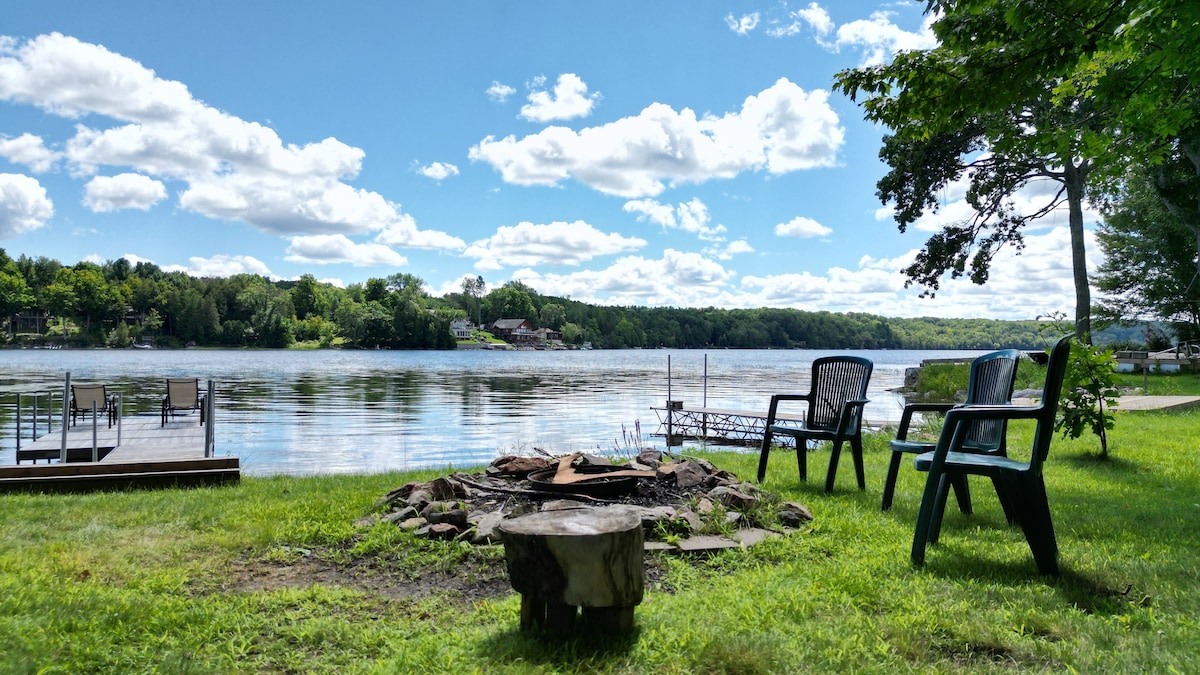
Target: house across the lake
x=515 y=331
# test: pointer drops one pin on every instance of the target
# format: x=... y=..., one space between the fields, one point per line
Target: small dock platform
x=148 y=454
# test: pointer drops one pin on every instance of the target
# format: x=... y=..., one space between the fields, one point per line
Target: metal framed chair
x=182 y=394
x=85 y=396
x=991 y=382
x=1020 y=485
x=834 y=413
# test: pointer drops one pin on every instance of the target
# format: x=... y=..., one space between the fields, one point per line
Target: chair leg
x=1005 y=493
x=834 y=455
x=962 y=492
x=802 y=457
x=1038 y=525
x=859 y=471
x=924 y=516
x=889 y=483
x=762 y=458
x=939 y=508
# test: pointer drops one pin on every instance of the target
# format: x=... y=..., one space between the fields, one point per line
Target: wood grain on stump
x=588 y=558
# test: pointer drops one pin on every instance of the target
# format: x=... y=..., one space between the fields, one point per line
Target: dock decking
x=148 y=454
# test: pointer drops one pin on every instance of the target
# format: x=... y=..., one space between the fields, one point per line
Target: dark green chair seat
x=990 y=382
x=834 y=406
x=1019 y=484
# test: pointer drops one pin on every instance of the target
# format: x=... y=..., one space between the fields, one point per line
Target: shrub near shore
x=272 y=575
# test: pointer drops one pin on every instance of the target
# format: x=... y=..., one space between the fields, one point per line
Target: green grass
x=156 y=581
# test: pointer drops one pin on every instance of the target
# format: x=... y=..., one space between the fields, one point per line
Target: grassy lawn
x=271 y=576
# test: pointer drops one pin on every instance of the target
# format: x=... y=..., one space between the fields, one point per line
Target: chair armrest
x=850 y=411
x=777 y=398
x=910 y=408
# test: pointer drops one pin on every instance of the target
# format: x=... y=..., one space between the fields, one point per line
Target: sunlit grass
x=148 y=581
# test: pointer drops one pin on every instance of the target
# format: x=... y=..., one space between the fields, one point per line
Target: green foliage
x=1090 y=385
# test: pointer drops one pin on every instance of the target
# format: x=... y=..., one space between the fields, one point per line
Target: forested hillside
x=118 y=303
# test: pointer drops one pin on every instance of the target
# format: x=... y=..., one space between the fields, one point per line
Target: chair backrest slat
x=835 y=380
x=991 y=382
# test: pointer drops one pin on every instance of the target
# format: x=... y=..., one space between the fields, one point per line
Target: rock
x=451 y=513
x=733 y=517
x=753 y=535
x=560 y=504
x=439 y=531
x=419 y=498
x=651 y=515
x=688 y=516
x=650 y=458
x=412 y=523
x=732 y=498
x=400 y=514
x=367 y=520
x=518 y=467
x=486 y=529
x=707 y=544
x=704 y=506
x=592 y=460
x=793 y=514
x=688 y=474
x=398 y=494
x=442 y=489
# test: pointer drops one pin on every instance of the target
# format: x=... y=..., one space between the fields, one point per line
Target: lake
x=332 y=411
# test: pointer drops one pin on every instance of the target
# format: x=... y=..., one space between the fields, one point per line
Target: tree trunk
x=562 y=560
x=1075 y=178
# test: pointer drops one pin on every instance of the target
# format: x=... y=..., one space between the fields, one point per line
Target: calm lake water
x=325 y=412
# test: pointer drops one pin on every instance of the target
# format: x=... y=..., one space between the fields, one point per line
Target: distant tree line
x=117 y=303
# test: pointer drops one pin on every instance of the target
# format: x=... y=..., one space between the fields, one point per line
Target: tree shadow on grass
x=582 y=650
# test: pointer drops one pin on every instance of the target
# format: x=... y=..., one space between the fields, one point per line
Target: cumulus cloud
x=689 y=216
x=500 y=92
x=678 y=279
x=325 y=249
x=742 y=25
x=234 y=169
x=438 y=171
x=731 y=249
x=557 y=243
x=29 y=150
x=404 y=232
x=781 y=129
x=568 y=100
x=222 y=266
x=803 y=228
x=24 y=206
x=123 y=191
x=877 y=37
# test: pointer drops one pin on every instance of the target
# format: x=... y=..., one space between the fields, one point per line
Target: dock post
x=120 y=409
x=95 y=447
x=62 y=456
x=19 y=421
x=210 y=405
x=704 y=417
x=669 y=408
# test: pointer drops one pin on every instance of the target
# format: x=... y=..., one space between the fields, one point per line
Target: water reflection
x=303 y=412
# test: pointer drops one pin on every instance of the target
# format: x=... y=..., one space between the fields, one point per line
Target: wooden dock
x=147 y=454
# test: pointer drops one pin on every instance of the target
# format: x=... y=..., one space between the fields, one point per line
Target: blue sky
x=634 y=153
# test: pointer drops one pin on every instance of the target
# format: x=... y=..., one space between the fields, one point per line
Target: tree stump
x=560 y=561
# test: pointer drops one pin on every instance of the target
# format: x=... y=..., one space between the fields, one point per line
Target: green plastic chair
x=991 y=382
x=1021 y=487
x=834 y=413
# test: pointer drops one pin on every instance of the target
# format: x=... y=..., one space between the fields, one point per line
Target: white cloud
x=324 y=249
x=403 y=232
x=235 y=170
x=222 y=266
x=802 y=227
x=744 y=24
x=24 y=206
x=557 y=243
x=570 y=99
x=438 y=171
x=727 y=252
x=500 y=92
x=123 y=191
x=689 y=216
x=781 y=129
x=29 y=150
x=677 y=279
x=877 y=37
